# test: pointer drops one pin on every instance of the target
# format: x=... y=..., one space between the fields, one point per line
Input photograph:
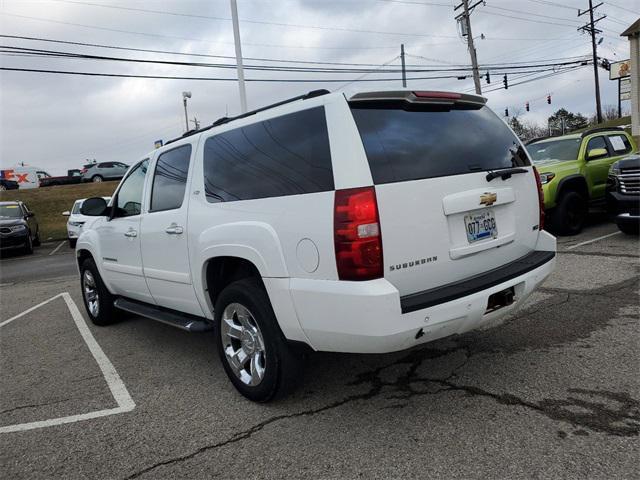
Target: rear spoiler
x=444 y=98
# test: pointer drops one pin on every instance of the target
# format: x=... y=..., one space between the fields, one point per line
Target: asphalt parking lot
x=553 y=392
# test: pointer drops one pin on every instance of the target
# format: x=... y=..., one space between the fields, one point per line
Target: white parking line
x=117 y=387
x=593 y=240
x=57 y=248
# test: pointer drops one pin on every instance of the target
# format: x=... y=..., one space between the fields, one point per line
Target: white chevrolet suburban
x=365 y=223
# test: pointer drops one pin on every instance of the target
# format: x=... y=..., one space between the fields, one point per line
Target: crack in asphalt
x=34 y=405
x=587 y=409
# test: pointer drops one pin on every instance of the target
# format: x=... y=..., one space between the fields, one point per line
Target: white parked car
x=76 y=221
x=368 y=224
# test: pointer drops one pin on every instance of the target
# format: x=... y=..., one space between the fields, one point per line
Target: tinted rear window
x=406 y=143
x=287 y=155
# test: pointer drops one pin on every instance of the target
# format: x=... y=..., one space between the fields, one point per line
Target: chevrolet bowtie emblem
x=488 y=198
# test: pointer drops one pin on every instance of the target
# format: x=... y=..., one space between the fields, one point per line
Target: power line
x=175 y=37
x=257 y=22
x=270 y=68
x=168 y=52
x=621 y=8
x=219 y=79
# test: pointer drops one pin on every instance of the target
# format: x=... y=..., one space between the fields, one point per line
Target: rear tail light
x=356 y=230
x=540 y=199
x=83 y=171
x=444 y=95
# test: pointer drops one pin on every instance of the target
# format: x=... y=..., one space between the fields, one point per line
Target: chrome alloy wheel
x=243 y=344
x=90 y=291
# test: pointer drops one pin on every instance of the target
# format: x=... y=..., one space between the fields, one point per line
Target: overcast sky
x=57 y=121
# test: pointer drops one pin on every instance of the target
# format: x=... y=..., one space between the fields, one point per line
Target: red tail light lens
x=540 y=199
x=83 y=171
x=445 y=95
x=356 y=229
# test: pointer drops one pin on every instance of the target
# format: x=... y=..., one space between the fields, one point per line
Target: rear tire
x=97 y=300
x=96 y=179
x=570 y=214
x=629 y=229
x=254 y=353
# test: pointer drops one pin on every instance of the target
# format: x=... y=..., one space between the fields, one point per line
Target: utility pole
x=240 y=68
x=404 y=69
x=593 y=31
x=465 y=20
x=186 y=95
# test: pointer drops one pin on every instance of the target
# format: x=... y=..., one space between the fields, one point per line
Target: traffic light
x=488 y=77
x=549 y=99
x=526 y=105
x=506 y=112
x=504 y=80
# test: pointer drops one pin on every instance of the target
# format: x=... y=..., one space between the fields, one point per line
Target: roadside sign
x=625 y=88
x=157 y=143
x=620 y=69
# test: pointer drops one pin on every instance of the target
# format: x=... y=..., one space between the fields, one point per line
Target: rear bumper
x=367 y=317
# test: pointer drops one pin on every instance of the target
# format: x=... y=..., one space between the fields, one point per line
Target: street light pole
x=186 y=95
x=240 y=68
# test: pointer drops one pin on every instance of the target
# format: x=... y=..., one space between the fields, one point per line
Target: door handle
x=131 y=233
x=174 y=229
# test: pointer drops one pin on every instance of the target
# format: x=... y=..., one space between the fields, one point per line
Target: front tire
x=28 y=245
x=97 y=300
x=629 y=229
x=569 y=216
x=72 y=242
x=36 y=241
x=253 y=351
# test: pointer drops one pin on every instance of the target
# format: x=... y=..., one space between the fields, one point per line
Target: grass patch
x=48 y=204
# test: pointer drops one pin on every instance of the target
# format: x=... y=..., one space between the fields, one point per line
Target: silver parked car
x=97 y=172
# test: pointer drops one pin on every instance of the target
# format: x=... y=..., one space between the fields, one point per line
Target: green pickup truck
x=573 y=171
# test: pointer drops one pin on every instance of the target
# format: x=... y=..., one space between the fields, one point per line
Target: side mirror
x=30 y=214
x=66 y=213
x=94 y=207
x=597 y=153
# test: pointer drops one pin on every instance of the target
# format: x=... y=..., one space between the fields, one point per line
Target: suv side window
x=105 y=165
x=129 y=200
x=286 y=155
x=597 y=142
x=620 y=144
x=170 y=179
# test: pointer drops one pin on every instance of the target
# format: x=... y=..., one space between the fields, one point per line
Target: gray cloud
x=56 y=121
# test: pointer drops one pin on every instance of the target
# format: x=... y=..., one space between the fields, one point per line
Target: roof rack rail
x=601 y=129
x=223 y=120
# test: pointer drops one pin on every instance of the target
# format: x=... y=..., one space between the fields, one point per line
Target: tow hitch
x=500 y=299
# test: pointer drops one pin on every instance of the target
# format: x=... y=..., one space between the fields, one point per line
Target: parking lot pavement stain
x=584 y=410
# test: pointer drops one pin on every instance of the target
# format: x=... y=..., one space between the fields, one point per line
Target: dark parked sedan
x=623 y=194
x=18 y=227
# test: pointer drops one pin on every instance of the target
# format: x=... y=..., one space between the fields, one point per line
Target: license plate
x=480 y=226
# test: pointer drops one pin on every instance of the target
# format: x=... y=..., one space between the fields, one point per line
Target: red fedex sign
x=26 y=177
x=18 y=177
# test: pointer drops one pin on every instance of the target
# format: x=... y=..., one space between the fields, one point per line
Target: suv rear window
x=286 y=155
x=405 y=142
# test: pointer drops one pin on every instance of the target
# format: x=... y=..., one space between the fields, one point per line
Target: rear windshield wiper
x=504 y=174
